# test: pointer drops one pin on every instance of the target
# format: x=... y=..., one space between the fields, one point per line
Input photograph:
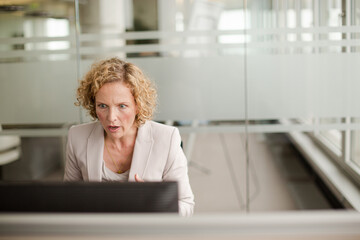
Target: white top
x=108 y=175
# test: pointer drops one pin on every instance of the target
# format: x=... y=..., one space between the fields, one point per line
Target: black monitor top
x=120 y=197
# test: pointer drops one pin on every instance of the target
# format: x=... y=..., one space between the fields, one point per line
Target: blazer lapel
x=142 y=151
x=95 y=151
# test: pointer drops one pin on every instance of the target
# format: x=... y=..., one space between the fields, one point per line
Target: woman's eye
x=122 y=106
x=102 y=105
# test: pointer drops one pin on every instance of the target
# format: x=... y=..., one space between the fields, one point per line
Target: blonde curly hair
x=113 y=70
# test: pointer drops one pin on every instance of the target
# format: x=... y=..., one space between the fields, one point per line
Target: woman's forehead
x=114 y=91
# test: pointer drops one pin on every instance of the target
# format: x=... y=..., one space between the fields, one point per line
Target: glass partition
x=38 y=63
x=255 y=87
x=306 y=88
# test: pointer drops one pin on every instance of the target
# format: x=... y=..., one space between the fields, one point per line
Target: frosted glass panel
x=38 y=92
x=299 y=86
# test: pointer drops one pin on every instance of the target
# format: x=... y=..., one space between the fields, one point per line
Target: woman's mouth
x=113 y=128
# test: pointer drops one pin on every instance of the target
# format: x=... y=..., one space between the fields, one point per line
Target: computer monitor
x=120 y=197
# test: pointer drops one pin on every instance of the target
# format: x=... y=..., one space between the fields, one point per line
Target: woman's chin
x=115 y=134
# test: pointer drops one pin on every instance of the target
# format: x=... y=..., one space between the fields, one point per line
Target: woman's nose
x=112 y=115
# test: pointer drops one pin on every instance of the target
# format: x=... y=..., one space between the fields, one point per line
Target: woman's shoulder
x=159 y=130
x=83 y=128
x=156 y=126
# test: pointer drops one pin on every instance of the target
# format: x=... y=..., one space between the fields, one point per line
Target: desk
x=287 y=225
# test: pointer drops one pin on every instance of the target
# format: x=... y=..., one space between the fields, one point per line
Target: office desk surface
x=285 y=225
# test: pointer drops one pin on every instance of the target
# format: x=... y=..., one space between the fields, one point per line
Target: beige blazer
x=157 y=156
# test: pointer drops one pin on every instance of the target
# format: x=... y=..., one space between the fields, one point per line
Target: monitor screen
x=124 y=197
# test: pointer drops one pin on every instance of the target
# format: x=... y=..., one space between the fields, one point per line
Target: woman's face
x=116 y=109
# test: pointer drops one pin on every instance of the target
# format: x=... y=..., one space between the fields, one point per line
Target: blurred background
x=265 y=93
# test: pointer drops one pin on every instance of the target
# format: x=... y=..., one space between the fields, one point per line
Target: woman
x=124 y=144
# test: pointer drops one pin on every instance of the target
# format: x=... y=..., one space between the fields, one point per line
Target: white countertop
x=301 y=224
